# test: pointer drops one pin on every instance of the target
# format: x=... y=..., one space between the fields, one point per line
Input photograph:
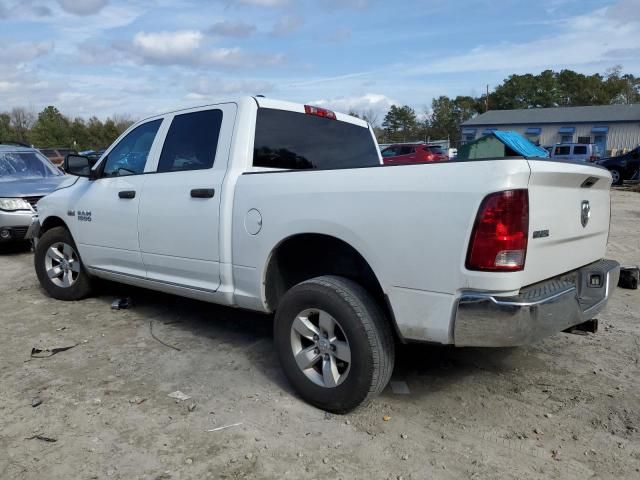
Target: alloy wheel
x=320 y=348
x=62 y=264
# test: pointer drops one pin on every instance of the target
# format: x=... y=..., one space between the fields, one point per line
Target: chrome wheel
x=62 y=264
x=320 y=348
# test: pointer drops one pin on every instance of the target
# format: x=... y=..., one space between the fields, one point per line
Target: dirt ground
x=568 y=407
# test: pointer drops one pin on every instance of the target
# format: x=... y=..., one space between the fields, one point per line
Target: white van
x=580 y=152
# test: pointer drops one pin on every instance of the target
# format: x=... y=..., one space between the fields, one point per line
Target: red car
x=403 y=153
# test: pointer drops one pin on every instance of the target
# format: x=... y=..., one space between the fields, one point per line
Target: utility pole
x=487 y=99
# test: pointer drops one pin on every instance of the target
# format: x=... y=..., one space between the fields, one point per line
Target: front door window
x=129 y=156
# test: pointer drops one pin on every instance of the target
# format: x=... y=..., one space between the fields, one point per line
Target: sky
x=140 y=57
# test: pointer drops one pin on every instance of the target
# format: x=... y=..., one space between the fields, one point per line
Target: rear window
x=300 y=141
x=562 y=151
x=580 y=150
x=436 y=149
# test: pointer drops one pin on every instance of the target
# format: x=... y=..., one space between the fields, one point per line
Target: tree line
x=548 y=89
x=50 y=128
x=440 y=121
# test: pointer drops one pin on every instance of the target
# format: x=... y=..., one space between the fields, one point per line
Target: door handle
x=127 y=194
x=203 y=192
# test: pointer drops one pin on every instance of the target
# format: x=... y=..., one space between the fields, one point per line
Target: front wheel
x=59 y=266
x=334 y=343
x=616 y=176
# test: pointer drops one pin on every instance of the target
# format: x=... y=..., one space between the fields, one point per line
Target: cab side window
x=129 y=156
x=191 y=142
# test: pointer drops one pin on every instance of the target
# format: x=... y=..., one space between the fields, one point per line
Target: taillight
x=499 y=238
x=430 y=157
x=319 y=112
x=593 y=158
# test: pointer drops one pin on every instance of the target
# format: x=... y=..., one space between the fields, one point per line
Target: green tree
x=110 y=132
x=6 y=132
x=52 y=129
x=447 y=114
x=565 y=89
x=400 y=124
x=95 y=133
x=79 y=135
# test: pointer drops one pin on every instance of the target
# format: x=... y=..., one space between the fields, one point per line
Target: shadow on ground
x=251 y=333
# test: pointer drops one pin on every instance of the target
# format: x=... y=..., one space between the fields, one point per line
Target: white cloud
x=370 y=103
x=238 y=58
x=8 y=86
x=167 y=47
x=232 y=29
x=337 y=4
x=265 y=3
x=24 y=9
x=22 y=52
x=203 y=88
x=287 y=25
x=82 y=7
x=583 y=40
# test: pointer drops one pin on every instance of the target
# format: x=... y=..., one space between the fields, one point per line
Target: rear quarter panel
x=411 y=223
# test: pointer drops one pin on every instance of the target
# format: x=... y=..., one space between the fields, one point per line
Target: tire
x=359 y=324
x=617 y=176
x=56 y=253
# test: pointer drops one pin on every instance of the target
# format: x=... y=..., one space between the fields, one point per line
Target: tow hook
x=629 y=277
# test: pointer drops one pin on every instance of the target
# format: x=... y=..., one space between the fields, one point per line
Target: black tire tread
x=82 y=287
x=376 y=326
x=620 y=179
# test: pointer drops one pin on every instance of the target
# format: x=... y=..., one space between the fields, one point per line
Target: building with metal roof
x=613 y=128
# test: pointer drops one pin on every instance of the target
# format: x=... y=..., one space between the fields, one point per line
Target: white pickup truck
x=279 y=207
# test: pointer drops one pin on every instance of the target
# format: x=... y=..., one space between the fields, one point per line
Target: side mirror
x=78 y=165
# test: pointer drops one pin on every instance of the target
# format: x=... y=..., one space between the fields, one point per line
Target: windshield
x=25 y=165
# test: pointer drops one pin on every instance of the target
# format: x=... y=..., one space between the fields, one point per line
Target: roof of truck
x=264 y=102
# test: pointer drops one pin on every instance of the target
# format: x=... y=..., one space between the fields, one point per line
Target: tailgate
x=569 y=211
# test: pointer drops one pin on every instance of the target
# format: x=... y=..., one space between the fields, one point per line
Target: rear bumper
x=488 y=320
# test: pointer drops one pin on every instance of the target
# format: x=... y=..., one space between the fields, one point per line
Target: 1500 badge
x=84 y=215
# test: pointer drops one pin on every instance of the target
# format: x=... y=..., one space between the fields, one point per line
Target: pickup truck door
x=179 y=209
x=103 y=213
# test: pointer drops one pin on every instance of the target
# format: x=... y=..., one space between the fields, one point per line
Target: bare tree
x=122 y=121
x=21 y=121
x=371 y=116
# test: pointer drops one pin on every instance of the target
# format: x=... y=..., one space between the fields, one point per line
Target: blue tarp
x=520 y=145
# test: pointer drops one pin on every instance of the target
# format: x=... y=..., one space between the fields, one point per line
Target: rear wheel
x=334 y=343
x=616 y=176
x=59 y=266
